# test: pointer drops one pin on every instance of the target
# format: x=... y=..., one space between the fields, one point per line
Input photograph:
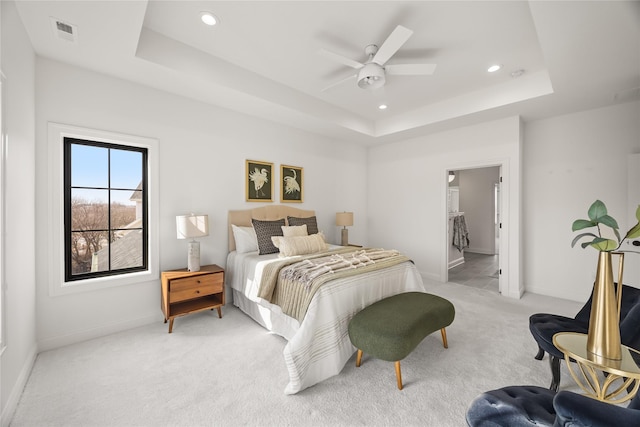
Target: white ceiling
x=263 y=60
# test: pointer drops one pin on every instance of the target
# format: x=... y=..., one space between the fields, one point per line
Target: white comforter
x=319 y=346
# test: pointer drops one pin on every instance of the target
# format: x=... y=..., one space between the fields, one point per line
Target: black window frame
x=67 y=189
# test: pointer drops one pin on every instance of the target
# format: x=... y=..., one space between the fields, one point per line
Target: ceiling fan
x=372 y=74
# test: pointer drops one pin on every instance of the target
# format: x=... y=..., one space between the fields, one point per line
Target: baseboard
x=88 y=334
x=483 y=251
x=18 y=387
x=429 y=276
x=456 y=262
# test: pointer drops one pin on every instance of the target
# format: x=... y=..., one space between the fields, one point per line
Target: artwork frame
x=291 y=184
x=258 y=181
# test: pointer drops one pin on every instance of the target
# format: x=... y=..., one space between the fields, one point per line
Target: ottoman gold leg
x=398 y=375
x=358 y=358
x=444 y=338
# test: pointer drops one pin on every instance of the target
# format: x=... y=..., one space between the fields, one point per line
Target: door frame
x=503 y=245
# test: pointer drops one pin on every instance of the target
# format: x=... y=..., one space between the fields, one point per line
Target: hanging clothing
x=460 y=233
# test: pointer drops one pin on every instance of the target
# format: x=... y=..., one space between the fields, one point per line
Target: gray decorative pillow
x=264 y=231
x=312 y=224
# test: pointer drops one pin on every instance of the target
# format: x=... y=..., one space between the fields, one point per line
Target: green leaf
x=597 y=210
x=634 y=232
x=608 y=221
x=604 y=245
x=580 y=224
x=580 y=236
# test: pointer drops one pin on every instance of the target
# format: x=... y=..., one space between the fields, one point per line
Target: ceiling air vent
x=64 y=30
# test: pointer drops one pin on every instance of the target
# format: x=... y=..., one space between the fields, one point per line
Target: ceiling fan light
x=371 y=76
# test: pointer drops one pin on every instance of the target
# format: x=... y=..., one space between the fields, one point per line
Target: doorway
x=473 y=234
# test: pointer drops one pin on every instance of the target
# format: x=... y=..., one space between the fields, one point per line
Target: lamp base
x=193 y=259
x=345 y=237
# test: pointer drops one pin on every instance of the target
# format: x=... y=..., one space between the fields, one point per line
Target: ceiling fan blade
x=341 y=59
x=410 y=69
x=396 y=39
x=339 y=82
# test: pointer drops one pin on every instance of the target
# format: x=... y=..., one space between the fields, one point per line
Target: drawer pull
x=197 y=291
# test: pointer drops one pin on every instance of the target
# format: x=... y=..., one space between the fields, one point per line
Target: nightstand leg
x=219 y=313
x=170 y=325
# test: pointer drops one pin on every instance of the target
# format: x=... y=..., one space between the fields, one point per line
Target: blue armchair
x=544 y=326
x=524 y=406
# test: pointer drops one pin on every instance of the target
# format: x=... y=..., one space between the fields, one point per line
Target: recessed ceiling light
x=494 y=68
x=208 y=18
x=382 y=106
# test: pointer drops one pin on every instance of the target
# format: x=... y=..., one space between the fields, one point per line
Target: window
x=105 y=209
x=102 y=209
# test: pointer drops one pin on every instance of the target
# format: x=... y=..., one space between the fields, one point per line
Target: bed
x=318 y=344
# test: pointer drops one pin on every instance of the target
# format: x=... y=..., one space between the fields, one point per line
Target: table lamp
x=189 y=227
x=345 y=219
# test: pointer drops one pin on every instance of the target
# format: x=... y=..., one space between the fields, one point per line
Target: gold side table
x=591 y=368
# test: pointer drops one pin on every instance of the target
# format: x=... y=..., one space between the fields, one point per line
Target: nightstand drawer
x=194 y=287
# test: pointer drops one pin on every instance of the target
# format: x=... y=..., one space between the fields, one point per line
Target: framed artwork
x=259 y=181
x=291 y=184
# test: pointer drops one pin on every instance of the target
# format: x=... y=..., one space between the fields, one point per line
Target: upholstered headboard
x=266 y=213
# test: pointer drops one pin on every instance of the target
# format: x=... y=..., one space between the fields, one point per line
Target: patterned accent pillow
x=264 y=231
x=312 y=224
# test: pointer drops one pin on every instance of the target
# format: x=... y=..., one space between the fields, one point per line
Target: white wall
x=567 y=162
x=18 y=65
x=407 y=193
x=570 y=161
x=202 y=164
x=477 y=188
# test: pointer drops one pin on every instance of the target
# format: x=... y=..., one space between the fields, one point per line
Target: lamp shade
x=191 y=226
x=344 y=219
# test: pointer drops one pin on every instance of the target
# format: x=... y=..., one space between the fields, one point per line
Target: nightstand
x=186 y=292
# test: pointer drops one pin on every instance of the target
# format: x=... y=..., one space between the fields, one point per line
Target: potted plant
x=604 y=329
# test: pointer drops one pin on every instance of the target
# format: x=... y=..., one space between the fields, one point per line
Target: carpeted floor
x=230 y=371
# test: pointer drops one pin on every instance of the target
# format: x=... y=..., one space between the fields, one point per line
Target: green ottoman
x=391 y=328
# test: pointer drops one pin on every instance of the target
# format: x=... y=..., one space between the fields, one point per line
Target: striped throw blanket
x=291 y=283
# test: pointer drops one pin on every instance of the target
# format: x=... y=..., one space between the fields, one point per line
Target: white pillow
x=245 y=237
x=300 y=245
x=294 y=230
